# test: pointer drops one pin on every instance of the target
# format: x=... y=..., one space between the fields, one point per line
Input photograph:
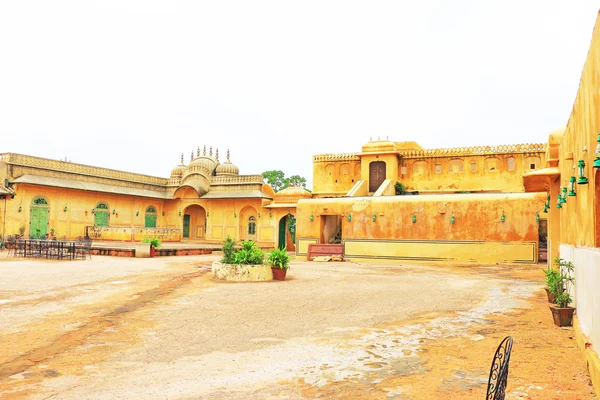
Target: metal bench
x=317 y=250
x=499 y=370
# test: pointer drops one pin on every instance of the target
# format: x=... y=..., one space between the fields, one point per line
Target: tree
x=278 y=181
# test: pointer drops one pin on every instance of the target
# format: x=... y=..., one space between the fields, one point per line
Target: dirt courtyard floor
x=116 y=328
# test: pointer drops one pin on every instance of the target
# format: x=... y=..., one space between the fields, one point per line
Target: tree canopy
x=278 y=180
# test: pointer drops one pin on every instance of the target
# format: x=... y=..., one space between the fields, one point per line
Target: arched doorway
x=376 y=175
x=287 y=233
x=150 y=220
x=101 y=214
x=194 y=222
x=248 y=220
x=38 y=222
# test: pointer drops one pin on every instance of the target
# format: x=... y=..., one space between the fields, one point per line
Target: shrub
x=562 y=283
x=279 y=258
x=400 y=188
x=228 y=251
x=155 y=242
x=249 y=254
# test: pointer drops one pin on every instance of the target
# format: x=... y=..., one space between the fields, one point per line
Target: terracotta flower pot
x=278 y=274
x=550 y=295
x=562 y=316
x=152 y=252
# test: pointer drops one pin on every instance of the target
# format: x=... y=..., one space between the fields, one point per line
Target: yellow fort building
x=390 y=200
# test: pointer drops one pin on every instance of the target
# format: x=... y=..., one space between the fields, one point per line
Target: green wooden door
x=150 y=221
x=282 y=233
x=39 y=222
x=101 y=218
x=186 y=225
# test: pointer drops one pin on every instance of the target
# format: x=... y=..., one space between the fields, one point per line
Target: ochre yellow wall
x=224 y=216
x=334 y=175
x=483 y=179
x=580 y=140
x=477 y=217
x=72 y=223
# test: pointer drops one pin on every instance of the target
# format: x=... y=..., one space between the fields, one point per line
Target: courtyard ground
x=115 y=328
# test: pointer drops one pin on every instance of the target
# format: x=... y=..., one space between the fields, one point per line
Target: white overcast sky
x=131 y=85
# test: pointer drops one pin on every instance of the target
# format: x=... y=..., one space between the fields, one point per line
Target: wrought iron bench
x=499 y=370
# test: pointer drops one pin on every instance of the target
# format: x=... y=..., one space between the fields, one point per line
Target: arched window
x=150 y=220
x=101 y=214
x=456 y=166
x=40 y=201
x=512 y=164
x=252 y=225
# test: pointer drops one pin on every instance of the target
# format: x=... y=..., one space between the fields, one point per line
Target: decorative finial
x=210 y=152
x=217 y=155
x=204 y=152
x=192 y=157
x=181 y=158
x=198 y=152
x=228 y=155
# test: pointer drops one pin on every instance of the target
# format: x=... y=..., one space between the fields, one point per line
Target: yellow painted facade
x=468 y=169
x=201 y=201
x=574 y=228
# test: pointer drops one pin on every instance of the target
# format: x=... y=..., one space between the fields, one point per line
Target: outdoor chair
x=83 y=249
x=10 y=245
x=499 y=370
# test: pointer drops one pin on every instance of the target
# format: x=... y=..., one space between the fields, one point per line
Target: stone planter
x=241 y=273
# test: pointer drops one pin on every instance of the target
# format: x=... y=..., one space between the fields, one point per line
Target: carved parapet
x=81 y=169
x=476 y=150
x=336 y=157
x=237 y=179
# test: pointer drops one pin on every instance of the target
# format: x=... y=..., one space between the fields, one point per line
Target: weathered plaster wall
x=223 y=216
x=489 y=172
x=578 y=229
x=477 y=217
x=477 y=169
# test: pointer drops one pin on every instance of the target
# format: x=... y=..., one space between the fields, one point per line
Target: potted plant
x=562 y=313
x=155 y=244
x=552 y=276
x=280 y=263
x=228 y=251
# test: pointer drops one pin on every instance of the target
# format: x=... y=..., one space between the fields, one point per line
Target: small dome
x=227 y=168
x=205 y=162
x=179 y=170
x=294 y=191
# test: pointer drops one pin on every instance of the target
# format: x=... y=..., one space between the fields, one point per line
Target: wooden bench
x=317 y=250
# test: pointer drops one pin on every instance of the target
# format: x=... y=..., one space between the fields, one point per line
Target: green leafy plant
x=279 y=259
x=228 y=251
x=560 y=282
x=21 y=231
x=155 y=242
x=249 y=254
x=400 y=188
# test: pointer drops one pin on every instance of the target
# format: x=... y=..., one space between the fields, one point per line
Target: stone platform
x=127 y=249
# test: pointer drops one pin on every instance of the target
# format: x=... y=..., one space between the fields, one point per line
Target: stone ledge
x=241 y=273
x=590 y=356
